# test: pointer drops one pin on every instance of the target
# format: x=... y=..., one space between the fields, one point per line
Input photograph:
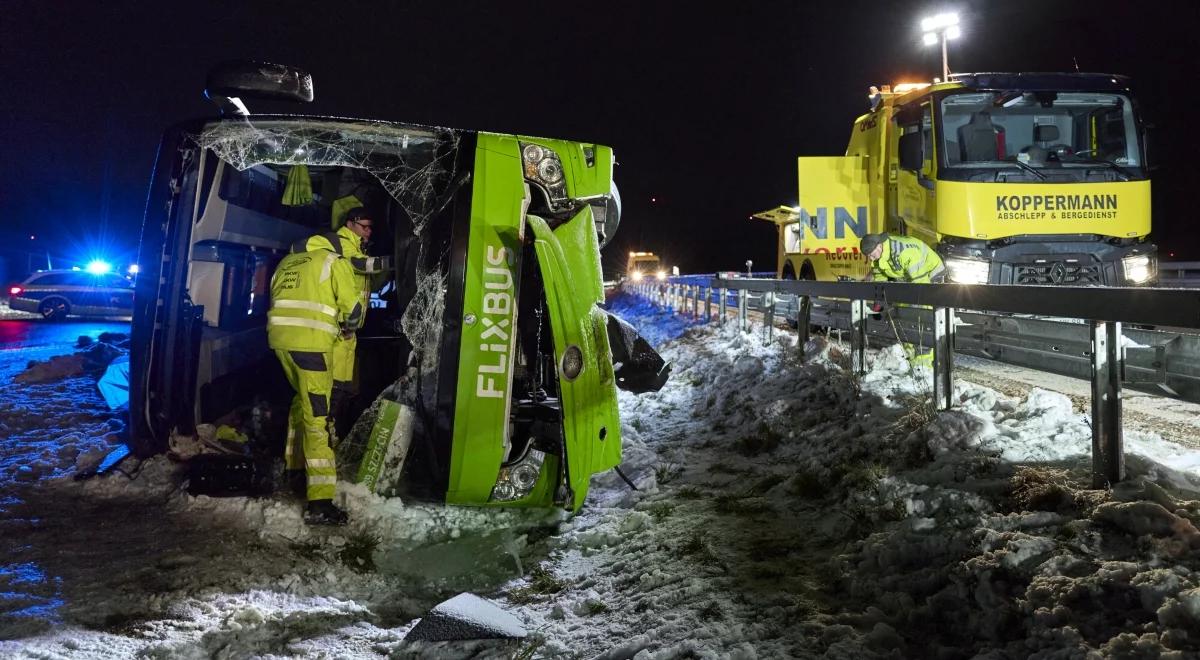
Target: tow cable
x=631 y=485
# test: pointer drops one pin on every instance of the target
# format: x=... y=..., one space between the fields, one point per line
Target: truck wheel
x=789 y=274
x=809 y=274
x=54 y=309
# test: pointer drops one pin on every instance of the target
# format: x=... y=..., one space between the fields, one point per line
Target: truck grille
x=1058 y=272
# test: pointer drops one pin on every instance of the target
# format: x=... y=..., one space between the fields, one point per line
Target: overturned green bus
x=489 y=330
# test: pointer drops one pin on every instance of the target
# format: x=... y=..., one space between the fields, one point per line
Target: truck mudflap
x=638 y=367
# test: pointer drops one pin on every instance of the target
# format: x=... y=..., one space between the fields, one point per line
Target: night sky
x=706 y=109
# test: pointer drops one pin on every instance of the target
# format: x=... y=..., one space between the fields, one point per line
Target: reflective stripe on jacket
x=314 y=295
x=906 y=259
x=346 y=244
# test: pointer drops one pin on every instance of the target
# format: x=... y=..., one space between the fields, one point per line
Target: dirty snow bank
x=785 y=509
x=790 y=509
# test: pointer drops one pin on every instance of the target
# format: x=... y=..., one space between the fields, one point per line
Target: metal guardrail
x=1179 y=273
x=1095 y=346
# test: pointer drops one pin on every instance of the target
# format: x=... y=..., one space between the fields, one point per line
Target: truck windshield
x=1092 y=134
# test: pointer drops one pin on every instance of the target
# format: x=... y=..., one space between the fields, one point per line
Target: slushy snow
x=784 y=508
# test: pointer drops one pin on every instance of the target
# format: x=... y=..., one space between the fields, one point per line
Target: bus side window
x=257 y=188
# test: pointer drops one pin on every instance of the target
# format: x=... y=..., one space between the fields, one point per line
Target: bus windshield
x=1066 y=130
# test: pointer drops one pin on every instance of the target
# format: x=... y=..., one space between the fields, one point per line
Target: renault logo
x=1058 y=273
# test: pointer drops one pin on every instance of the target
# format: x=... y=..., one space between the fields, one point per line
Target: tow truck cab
x=489 y=328
x=644 y=265
x=1015 y=178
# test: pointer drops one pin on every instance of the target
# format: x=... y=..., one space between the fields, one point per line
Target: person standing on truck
x=316 y=301
x=349 y=243
x=874 y=97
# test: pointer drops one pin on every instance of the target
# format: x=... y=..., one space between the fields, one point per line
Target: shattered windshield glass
x=413 y=163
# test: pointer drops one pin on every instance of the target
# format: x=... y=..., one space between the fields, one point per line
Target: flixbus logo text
x=496 y=323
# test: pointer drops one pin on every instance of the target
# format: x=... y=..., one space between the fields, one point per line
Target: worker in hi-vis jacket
x=316 y=301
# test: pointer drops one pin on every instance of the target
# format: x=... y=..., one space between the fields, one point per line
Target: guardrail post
x=724 y=304
x=696 y=302
x=803 y=319
x=768 y=316
x=1108 y=451
x=943 y=357
x=708 y=304
x=858 y=336
x=743 y=321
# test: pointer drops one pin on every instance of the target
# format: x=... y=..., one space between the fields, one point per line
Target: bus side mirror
x=231 y=81
x=911 y=157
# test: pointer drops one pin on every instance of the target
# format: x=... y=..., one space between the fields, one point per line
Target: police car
x=56 y=294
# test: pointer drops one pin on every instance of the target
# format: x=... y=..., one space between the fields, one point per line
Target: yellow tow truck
x=642 y=265
x=1015 y=178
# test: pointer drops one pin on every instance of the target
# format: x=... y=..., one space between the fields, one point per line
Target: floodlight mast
x=941 y=27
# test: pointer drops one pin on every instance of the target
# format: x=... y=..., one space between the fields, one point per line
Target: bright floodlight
x=938 y=22
x=133 y=269
x=931 y=39
x=98 y=267
x=953 y=32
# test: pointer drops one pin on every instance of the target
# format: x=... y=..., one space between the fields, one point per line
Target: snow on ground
x=7 y=312
x=785 y=508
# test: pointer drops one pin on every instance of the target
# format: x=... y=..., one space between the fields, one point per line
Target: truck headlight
x=545 y=168
x=661 y=275
x=517 y=479
x=967 y=271
x=636 y=276
x=1139 y=268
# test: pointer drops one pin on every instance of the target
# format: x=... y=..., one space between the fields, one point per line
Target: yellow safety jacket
x=906 y=259
x=348 y=245
x=314 y=298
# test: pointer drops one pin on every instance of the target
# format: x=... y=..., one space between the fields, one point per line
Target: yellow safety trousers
x=307 y=435
x=343 y=361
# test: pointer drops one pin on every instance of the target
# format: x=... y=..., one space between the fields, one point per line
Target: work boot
x=324 y=512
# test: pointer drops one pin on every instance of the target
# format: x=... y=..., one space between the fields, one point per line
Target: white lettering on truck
x=490 y=379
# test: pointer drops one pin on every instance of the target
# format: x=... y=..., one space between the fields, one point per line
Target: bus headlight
x=1139 y=268
x=544 y=168
x=967 y=271
x=516 y=480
